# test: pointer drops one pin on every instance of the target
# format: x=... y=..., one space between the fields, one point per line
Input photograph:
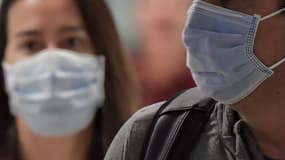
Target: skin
x=34 y=25
x=264 y=110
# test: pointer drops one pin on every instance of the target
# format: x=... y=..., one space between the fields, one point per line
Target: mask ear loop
x=265 y=18
x=277 y=64
x=272 y=14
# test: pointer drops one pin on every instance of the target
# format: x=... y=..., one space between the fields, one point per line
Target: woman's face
x=34 y=25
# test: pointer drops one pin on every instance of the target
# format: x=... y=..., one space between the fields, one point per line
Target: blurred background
x=151 y=30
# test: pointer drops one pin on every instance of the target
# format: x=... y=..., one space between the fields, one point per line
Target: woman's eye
x=72 y=43
x=30 y=46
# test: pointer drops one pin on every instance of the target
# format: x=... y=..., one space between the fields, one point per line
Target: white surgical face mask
x=56 y=92
x=220 y=55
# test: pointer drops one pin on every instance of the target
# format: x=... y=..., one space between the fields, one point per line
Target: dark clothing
x=225 y=137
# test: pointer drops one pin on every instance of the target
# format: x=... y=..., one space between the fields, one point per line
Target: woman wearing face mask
x=66 y=82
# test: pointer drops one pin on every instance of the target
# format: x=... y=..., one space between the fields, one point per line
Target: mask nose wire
x=272 y=14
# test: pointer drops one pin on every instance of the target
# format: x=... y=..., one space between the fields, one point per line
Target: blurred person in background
x=160 y=60
x=66 y=83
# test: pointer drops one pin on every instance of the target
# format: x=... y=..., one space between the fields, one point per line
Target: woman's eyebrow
x=28 y=33
x=74 y=28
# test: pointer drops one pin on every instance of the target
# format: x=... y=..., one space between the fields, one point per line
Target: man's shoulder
x=146 y=113
x=186 y=98
x=142 y=119
x=129 y=141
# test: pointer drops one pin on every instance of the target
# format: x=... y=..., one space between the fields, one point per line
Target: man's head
x=269 y=43
x=223 y=32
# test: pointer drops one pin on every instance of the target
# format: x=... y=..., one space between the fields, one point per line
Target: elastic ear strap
x=277 y=64
x=272 y=14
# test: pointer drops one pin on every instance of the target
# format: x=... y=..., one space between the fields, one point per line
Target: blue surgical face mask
x=220 y=55
x=56 y=92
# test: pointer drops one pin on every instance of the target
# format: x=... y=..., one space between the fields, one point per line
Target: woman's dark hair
x=120 y=84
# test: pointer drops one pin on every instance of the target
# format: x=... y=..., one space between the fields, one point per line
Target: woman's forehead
x=42 y=14
x=44 y=7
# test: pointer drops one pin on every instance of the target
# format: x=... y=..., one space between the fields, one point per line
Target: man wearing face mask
x=236 y=51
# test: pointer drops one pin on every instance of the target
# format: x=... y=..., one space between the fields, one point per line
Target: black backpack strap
x=175 y=130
